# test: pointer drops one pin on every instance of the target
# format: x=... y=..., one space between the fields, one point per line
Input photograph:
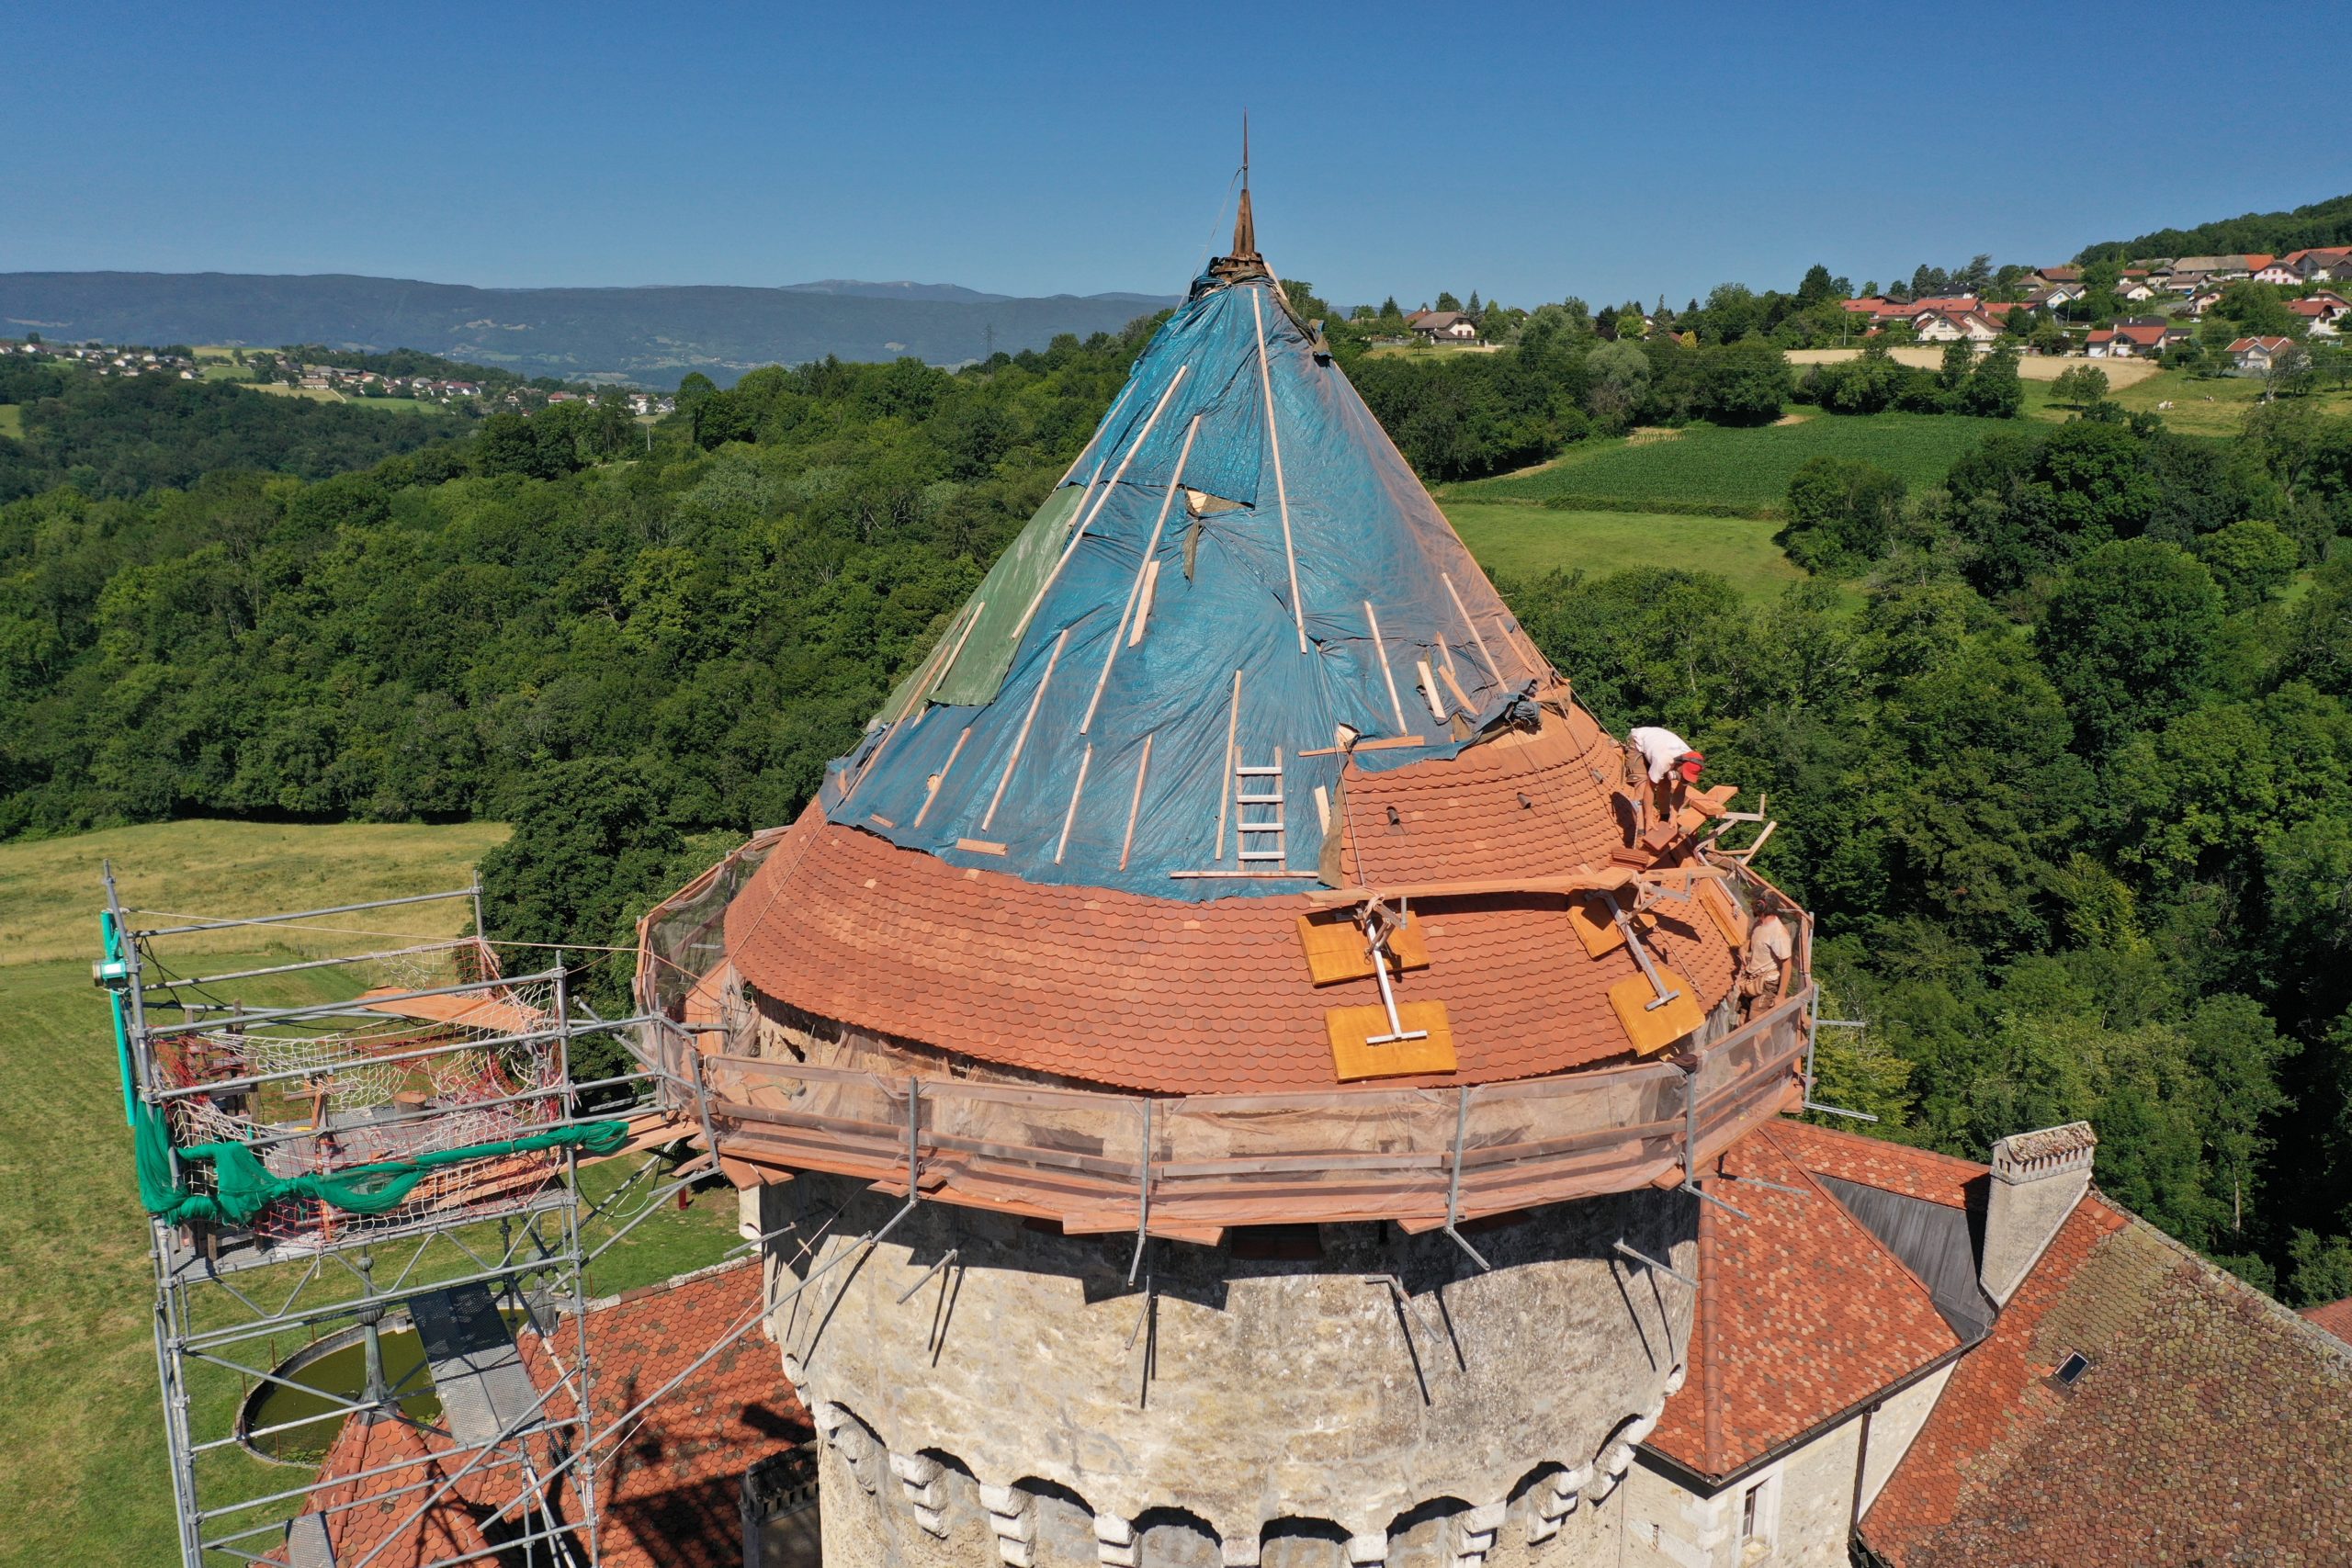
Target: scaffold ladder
x=1260 y=788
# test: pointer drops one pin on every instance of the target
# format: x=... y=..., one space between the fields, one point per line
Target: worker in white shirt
x=1770 y=965
x=1667 y=764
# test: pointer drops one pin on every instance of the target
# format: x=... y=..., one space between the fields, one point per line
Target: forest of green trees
x=2061 y=748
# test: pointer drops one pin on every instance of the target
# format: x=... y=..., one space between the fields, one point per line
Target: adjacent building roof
x=2335 y=1318
x=669 y=1482
x=2207 y=1424
x=1805 y=1314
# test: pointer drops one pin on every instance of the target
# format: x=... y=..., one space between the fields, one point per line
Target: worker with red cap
x=1668 y=763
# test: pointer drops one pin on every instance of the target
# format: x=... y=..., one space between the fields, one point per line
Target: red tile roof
x=1111 y=987
x=2211 y=1425
x=2335 y=1318
x=1813 y=1314
x=669 y=1483
x=1874 y=1162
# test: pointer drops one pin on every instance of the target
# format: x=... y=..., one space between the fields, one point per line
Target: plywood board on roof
x=1595 y=926
x=1354 y=1057
x=1336 y=949
x=1725 y=911
x=1653 y=1028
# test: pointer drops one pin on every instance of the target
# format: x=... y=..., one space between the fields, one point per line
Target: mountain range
x=651 y=336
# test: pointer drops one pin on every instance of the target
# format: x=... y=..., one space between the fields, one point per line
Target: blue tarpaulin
x=1001 y=739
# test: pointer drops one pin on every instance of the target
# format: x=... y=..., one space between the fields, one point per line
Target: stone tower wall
x=1387 y=1402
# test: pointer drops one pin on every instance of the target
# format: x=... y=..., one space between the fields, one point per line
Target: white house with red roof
x=2259 y=356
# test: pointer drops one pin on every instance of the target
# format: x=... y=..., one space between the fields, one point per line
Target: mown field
x=12 y=421
x=1518 y=538
x=1745 y=471
x=79 y=1439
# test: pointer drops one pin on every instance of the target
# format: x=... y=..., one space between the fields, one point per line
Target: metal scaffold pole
x=454 y=1083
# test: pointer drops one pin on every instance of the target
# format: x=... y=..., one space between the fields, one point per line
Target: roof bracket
x=1454 y=1176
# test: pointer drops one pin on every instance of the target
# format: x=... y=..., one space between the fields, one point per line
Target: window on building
x=1759 y=1507
x=2070 y=1371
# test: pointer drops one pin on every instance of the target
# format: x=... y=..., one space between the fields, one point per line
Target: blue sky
x=1529 y=151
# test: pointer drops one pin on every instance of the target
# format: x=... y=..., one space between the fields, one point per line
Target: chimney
x=2036 y=1179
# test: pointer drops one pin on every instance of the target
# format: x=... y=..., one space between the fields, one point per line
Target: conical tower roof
x=1240 y=569
x=1237 y=658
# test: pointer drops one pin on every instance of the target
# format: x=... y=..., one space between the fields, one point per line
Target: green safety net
x=245 y=1187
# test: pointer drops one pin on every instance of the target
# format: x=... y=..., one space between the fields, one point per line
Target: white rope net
x=392 y=1078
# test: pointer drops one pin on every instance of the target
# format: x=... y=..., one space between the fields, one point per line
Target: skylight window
x=2070 y=1371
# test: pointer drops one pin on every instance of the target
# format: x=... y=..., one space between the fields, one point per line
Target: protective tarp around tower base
x=1095 y=713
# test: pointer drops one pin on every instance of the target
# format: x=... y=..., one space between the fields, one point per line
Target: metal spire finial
x=1245 y=226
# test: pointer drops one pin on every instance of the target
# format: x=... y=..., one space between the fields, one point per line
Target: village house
x=2277 y=272
x=1971 y=327
x=1443 y=326
x=2259 y=356
x=2221 y=269
x=2132 y=340
x=2323 y=313
x=2320 y=265
x=2053 y=277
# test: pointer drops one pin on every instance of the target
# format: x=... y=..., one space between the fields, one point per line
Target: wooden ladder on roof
x=1260 y=841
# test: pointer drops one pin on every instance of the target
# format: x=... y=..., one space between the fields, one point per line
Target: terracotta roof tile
x=1874 y=1162
x=2212 y=1426
x=669 y=1482
x=2335 y=1318
x=1116 y=988
x=1813 y=1314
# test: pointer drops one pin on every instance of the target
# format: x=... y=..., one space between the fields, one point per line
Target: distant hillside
x=2322 y=223
x=650 y=335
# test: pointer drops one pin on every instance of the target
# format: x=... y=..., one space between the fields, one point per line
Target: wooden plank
x=980 y=847
x=1145 y=571
x=1085 y=760
x=1595 y=927
x=1135 y=804
x=1429 y=690
x=1143 y=606
x=1281 y=489
x=1336 y=949
x=1493 y=669
x=1353 y=1057
x=1384 y=744
x=1021 y=739
x=941 y=777
x=1225 y=782
x=1088 y=520
x=1380 y=652
x=1614 y=879
x=1650 y=1028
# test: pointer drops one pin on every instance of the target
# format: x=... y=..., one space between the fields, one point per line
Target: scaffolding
x=440 y=1091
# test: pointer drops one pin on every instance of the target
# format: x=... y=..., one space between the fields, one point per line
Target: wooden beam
x=1021 y=739
x=1611 y=880
x=1274 y=443
x=1380 y=652
x=1135 y=804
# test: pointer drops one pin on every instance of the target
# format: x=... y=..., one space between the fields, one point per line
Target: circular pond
x=296 y=1425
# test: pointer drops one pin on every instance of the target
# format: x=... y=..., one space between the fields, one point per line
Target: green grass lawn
x=12 y=420
x=1517 y=539
x=2201 y=405
x=79 y=1433
x=1746 y=469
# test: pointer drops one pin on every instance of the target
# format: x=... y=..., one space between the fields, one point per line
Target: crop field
x=1519 y=539
x=78 y=1403
x=1741 y=471
x=12 y=421
x=2030 y=368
